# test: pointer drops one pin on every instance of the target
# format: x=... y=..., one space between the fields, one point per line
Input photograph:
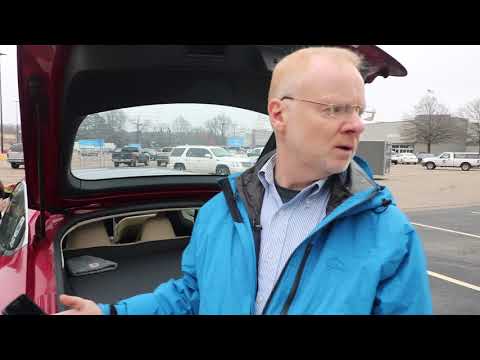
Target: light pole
x=17 y=104
x=1 y=110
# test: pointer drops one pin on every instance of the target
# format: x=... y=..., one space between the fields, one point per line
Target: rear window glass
x=177 y=152
x=129 y=149
x=197 y=152
x=167 y=127
x=220 y=152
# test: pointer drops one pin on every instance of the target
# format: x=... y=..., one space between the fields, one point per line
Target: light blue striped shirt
x=284 y=227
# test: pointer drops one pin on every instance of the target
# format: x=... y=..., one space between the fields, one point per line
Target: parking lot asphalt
x=451 y=299
x=451 y=239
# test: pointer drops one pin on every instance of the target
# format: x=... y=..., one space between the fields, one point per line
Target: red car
x=81 y=226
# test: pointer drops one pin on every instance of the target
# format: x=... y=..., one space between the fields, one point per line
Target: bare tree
x=181 y=129
x=471 y=111
x=432 y=124
x=473 y=135
x=219 y=126
x=198 y=136
x=161 y=135
x=115 y=119
x=108 y=125
x=181 y=126
x=141 y=126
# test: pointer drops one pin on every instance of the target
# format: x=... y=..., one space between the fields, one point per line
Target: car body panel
x=163 y=156
x=407 y=158
x=29 y=268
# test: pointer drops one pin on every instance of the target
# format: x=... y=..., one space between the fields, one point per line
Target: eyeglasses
x=338 y=111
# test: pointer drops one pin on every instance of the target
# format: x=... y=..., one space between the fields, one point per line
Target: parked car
x=394 y=158
x=130 y=155
x=421 y=156
x=235 y=151
x=143 y=222
x=403 y=158
x=255 y=152
x=152 y=154
x=463 y=160
x=407 y=158
x=207 y=160
x=163 y=155
x=15 y=156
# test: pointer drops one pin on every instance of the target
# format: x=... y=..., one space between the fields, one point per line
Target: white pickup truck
x=463 y=160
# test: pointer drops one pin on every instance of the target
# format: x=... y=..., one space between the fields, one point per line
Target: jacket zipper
x=298 y=276
x=257 y=231
x=295 y=284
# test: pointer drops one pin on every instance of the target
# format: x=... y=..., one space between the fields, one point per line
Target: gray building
x=392 y=132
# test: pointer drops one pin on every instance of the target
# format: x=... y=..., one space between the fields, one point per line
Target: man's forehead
x=342 y=98
x=334 y=87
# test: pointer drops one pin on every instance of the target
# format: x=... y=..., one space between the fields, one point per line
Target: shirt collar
x=266 y=172
x=266 y=177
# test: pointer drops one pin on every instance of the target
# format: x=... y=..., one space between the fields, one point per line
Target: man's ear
x=276 y=112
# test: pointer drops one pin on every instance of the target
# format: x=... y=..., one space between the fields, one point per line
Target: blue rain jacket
x=364 y=257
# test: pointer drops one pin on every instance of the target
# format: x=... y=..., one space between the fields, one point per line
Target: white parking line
x=447 y=230
x=444 y=277
x=455 y=281
x=475 y=212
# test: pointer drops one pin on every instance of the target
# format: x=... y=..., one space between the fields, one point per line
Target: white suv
x=207 y=160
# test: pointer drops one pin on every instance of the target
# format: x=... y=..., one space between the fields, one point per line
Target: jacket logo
x=335 y=264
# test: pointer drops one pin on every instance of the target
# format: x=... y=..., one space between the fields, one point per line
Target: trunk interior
x=146 y=249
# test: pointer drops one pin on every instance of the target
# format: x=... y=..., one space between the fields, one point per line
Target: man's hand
x=79 y=306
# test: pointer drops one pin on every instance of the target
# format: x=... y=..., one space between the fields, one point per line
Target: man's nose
x=355 y=124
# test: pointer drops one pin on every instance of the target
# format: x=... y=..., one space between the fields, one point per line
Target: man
x=307 y=230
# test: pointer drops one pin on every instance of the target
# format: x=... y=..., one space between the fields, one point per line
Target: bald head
x=293 y=70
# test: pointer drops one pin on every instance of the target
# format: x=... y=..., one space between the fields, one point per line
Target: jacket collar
x=354 y=180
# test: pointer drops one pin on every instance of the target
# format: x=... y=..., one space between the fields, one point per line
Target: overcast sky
x=451 y=71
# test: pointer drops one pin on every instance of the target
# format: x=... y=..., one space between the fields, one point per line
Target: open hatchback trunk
x=148 y=96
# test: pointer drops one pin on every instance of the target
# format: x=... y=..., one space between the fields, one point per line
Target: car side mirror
x=208 y=156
